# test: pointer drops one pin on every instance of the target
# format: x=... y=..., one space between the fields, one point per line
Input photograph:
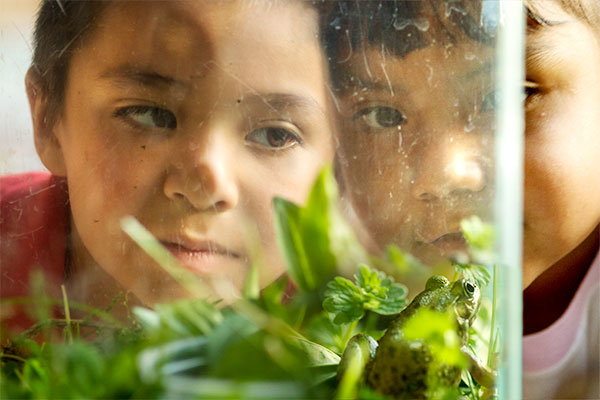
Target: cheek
x=377 y=178
x=562 y=189
x=260 y=181
x=107 y=183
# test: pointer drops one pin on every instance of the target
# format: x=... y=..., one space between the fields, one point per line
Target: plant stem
x=371 y=321
x=456 y=275
x=96 y=312
x=490 y=359
x=471 y=385
x=349 y=332
x=13 y=357
x=67 y=314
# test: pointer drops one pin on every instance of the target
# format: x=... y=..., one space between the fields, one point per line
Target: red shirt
x=34 y=224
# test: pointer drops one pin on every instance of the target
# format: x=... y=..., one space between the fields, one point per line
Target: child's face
x=191 y=117
x=415 y=143
x=562 y=142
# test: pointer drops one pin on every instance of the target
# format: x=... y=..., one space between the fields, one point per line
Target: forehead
x=264 y=46
x=459 y=67
x=189 y=35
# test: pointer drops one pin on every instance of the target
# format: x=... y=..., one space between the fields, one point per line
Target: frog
x=398 y=367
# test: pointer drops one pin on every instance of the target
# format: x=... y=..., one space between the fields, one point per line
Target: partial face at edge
x=562 y=142
x=191 y=117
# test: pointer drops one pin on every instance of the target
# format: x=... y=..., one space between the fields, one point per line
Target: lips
x=449 y=244
x=200 y=256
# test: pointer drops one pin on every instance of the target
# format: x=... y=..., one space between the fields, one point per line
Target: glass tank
x=262 y=199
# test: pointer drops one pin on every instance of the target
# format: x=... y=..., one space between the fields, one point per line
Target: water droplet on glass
x=470 y=126
x=399 y=138
x=194 y=146
x=452 y=6
x=420 y=23
x=400 y=24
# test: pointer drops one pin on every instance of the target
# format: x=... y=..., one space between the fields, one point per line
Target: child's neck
x=546 y=299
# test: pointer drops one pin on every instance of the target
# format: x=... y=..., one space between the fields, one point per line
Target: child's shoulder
x=34 y=214
x=14 y=186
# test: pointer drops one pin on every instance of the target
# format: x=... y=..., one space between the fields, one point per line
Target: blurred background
x=17 y=152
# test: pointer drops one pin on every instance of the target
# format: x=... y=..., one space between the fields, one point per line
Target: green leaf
x=480 y=238
x=373 y=291
x=438 y=330
x=315 y=240
x=318 y=355
x=323 y=330
x=251 y=289
x=403 y=262
x=475 y=273
x=179 y=319
x=292 y=245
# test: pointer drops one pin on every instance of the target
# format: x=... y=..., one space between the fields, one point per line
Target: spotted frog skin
x=398 y=367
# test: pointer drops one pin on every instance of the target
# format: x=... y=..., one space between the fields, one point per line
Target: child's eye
x=380 y=117
x=491 y=100
x=150 y=116
x=531 y=89
x=273 y=137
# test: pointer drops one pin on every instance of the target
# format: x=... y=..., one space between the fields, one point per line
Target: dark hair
x=396 y=25
x=60 y=27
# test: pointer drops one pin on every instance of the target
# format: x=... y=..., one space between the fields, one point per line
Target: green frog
x=398 y=367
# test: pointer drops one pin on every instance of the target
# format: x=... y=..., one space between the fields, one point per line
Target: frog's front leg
x=483 y=374
x=359 y=352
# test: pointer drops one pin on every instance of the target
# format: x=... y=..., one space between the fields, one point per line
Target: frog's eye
x=469 y=288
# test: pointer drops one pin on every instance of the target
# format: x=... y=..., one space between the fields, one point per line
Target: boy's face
x=562 y=142
x=415 y=141
x=191 y=117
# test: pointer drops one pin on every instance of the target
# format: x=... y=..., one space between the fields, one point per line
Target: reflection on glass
x=414 y=82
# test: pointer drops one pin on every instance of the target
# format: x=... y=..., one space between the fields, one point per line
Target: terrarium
x=266 y=199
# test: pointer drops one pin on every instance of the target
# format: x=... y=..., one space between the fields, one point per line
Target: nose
x=448 y=165
x=202 y=173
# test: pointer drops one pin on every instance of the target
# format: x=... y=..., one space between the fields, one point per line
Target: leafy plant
x=283 y=341
x=373 y=291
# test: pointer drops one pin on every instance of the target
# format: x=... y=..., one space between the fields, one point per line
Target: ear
x=47 y=144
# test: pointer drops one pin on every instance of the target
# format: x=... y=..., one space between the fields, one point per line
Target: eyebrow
x=348 y=85
x=345 y=84
x=285 y=101
x=127 y=75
